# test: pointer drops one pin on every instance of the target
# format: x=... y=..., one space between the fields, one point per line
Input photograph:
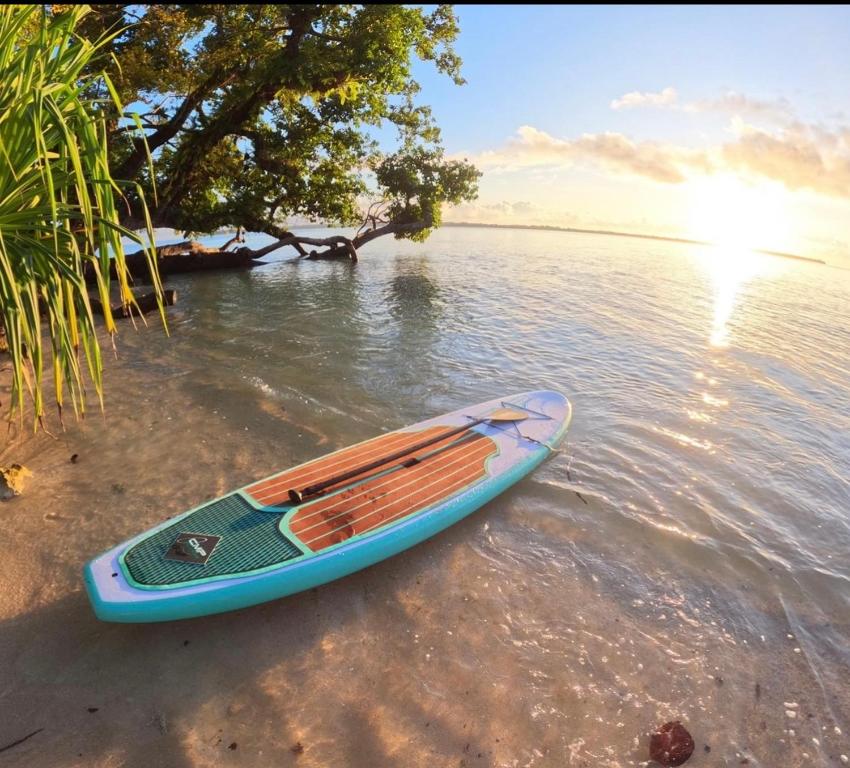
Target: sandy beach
x=407 y=663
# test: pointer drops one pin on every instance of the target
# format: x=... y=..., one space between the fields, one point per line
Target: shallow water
x=683 y=557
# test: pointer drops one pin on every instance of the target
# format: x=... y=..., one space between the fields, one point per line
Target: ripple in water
x=683 y=558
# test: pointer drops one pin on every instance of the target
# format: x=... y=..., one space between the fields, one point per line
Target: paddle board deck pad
x=256 y=544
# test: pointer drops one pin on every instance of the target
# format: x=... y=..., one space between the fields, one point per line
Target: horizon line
x=554 y=228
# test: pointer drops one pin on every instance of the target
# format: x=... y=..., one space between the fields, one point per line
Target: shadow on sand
x=298 y=680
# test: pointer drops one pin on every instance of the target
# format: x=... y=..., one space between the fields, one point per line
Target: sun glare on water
x=730 y=269
x=736 y=219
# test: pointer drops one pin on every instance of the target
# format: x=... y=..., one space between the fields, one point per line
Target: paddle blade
x=506 y=414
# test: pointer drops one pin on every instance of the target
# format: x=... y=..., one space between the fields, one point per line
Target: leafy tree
x=58 y=203
x=257 y=113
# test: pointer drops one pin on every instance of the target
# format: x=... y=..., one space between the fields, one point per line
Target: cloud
x=504 y=212
x=800 y=156
x=731 y=103
x=614 y=151
x=522 y=207
x=745 y=106
x=665 y=98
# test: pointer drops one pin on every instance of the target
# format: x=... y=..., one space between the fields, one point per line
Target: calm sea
x=686 y=556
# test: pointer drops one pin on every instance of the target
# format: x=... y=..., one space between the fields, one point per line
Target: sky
x=722 y=123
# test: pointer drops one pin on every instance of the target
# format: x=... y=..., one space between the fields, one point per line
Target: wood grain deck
x=390 y=497
x=274 y=490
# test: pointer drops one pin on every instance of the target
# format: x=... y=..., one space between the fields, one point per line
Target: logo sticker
x=192 y=548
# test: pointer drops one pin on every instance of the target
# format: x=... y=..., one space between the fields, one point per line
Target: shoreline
x=662 y=238
x=565 y=620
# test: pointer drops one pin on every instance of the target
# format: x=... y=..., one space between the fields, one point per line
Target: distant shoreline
x=547 y=228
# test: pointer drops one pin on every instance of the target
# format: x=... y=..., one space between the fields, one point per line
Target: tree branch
x=130 y=168
x=239 y=237
x=390 y=229
x=324 y=36
x=193 y=152
x=335 y=241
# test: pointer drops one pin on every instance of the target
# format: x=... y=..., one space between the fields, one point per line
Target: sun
x=738 y=219
x=726 y=211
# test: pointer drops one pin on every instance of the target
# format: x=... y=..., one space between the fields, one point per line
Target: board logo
x=194 y=548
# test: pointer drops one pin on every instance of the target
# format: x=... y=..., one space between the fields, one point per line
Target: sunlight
x=737 y=218
x=729 y=268
x=729 y=213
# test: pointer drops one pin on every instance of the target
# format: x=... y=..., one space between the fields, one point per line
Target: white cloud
x=730 y=103
x=503 y=211
x=665 y=98
x=614 y=151
x=800 y=156
x=734 y=103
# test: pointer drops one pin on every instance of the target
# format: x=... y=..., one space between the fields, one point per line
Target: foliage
x=256 y=113
x=421 y=179
x=59 y=204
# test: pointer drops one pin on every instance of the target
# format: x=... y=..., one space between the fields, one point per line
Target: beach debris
x=74 y=457
x=160 y=722
x=20 y=741
x=671 y=744
x=92 y=710
x=12 y=480
x=297 y=748
x=232 y=745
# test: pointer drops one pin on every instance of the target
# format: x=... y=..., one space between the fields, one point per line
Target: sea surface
x=685 y=556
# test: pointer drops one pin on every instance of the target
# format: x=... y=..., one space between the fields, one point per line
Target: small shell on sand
x=671 y=744
x=12 y=480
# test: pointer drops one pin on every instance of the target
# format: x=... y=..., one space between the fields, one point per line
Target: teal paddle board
x=328 y=517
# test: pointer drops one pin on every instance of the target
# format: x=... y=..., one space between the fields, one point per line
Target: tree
x=257 y=113
x=58 y=204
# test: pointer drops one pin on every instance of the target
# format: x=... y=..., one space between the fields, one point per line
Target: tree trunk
x=146 y=303
x=191 y=256
x=188 y=256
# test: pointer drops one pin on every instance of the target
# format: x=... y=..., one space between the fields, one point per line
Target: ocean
x=683 y=557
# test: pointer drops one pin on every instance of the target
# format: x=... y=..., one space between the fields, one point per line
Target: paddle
x=503 y=414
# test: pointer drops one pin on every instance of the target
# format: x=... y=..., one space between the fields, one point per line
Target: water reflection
x=414 y=300
x=413 y=295
x=730 y=269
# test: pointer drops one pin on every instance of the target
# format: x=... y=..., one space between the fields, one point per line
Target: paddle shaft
x=296 y=497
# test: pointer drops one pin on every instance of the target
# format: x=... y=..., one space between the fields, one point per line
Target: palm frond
x=58 y=207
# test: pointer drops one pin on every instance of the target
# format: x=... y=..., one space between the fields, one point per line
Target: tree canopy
x=254 y=114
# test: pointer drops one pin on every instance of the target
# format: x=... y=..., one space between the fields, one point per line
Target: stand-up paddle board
x=329 y=517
